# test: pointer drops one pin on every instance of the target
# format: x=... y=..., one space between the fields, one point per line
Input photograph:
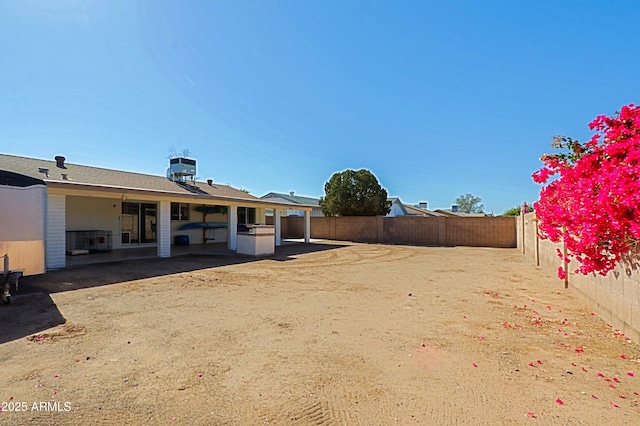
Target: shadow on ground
x=33 y=310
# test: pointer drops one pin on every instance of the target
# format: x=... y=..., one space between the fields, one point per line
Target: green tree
x=354 y=193
x=468 y=203
x=515 y=211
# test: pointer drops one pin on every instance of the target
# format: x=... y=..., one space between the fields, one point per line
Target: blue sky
x=436 y=98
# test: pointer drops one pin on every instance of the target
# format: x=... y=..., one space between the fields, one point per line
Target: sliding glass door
x=138 y=223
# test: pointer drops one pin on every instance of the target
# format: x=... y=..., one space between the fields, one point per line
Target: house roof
x=447 y=212
x=74 y=176
x=413 y=210
x=295 y=199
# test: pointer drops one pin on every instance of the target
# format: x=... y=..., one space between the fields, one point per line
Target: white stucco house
x=398 y=208
x=50 y=209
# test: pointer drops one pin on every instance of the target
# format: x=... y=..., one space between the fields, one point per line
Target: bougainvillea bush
x=591 y=199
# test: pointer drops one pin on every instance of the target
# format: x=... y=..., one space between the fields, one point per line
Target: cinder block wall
x=615 y=297
x=480 y=231
x=409 y=230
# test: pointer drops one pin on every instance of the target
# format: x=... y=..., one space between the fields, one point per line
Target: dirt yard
x=327 y=334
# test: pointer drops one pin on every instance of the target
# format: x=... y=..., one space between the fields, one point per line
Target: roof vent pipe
x=44 y=170
x=65 y=176
x=291 y=193
x=210 y=182
x=60 y=161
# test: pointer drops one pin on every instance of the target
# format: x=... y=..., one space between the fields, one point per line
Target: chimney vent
x=65 y=176
x=422 y=205
x=210 y=182
x=60 y=161
x=454 y=208
x=291 y=193
x=44 y=170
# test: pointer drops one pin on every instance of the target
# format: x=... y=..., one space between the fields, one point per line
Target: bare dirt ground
x=327 y=334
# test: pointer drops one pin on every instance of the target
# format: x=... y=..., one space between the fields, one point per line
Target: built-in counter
x=259 y=241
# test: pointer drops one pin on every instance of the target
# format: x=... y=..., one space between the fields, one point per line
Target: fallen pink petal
x=200 y=374
x=594 y=397
x=622 y=396
x=614 y=405
x=474 y=364
x=612 y=386
x=584 y=369
x=539 y=362
x=623 y=356
x=630 y=374
x=600 y=375
x=531 y=414
x=173 y=419
x=56 y=376
x=615 y=379
x=559 y=401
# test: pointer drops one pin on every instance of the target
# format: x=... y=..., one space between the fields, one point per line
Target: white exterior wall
x=396 y=210
x=164 y=228
x=220 y=235
x=22 y=227
x=92 y=213
x=55 y=228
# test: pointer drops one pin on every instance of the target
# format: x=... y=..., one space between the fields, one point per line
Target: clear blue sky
x=437 y=98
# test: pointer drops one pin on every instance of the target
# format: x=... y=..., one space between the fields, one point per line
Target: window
x=179 y=211
x=246 y=215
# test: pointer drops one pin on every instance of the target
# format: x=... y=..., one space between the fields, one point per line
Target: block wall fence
x=614 y=297
x=409 y=230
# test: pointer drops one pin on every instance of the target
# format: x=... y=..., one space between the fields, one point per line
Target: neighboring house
x=454 y=212
x=49 y=209
x=398 y=208
x=296 y=200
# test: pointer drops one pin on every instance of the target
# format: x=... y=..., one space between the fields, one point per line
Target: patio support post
x=307 y=226
x=278 y=227
x=233 y=228
x=55 y=231
x=163 y=226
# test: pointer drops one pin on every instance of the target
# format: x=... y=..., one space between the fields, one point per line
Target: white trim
x=55 y=231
